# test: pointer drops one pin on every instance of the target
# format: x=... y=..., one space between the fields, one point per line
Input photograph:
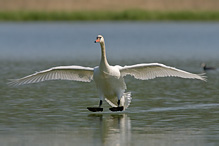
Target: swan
x=109 y=79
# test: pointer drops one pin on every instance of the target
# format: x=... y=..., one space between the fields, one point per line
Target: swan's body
x=109 y=79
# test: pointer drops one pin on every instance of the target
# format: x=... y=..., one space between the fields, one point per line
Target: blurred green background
x=49 y=10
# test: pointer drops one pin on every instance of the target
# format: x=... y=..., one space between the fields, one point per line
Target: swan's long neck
x=103 y=62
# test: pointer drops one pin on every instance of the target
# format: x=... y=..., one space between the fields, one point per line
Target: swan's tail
x=127 y=99
x=124 y=101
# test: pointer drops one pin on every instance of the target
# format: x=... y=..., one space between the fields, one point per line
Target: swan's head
x=99 y=39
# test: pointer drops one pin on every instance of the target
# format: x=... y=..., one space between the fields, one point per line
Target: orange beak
x=97 y=40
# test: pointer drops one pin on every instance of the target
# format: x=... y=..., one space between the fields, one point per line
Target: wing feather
x=75 y=73
x=153 y=70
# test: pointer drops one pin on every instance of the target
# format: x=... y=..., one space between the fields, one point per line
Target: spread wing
x=75 y=73
x=153 y=70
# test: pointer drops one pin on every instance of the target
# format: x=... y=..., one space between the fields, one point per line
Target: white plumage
x=75 y=73
x=152 y=70
x=109 y=79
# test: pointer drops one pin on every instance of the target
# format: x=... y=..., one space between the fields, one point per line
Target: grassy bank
x=140 y=15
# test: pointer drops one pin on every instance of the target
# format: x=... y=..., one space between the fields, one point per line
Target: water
x=164 y=111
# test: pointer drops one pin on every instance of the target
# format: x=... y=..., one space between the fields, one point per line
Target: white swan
x=109 y=79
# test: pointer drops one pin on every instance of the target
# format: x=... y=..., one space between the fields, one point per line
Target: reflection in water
x=109 y=130
x=115 y=129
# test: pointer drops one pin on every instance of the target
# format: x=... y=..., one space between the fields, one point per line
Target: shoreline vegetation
x=125 y=15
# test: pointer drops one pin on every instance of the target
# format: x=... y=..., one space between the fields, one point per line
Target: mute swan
x=109 y=79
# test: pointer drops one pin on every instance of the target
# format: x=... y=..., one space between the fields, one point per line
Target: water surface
x=164 y=111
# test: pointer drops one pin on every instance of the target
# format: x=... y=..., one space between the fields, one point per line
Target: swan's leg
x=100 y=103
x=119 y=108
x=96 y=109
x=118 y=102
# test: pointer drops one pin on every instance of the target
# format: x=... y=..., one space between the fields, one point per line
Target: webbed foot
x=95 y=109
x=115 y=109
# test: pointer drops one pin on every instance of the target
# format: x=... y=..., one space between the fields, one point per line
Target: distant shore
x=126 y=15
x=109 y=10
